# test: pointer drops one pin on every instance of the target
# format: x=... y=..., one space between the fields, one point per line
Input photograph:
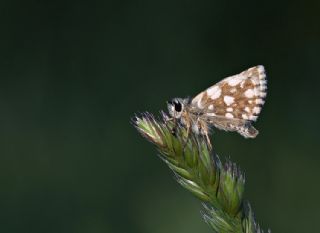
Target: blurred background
x=73 y=73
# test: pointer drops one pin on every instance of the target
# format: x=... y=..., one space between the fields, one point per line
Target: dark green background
x=73 y=73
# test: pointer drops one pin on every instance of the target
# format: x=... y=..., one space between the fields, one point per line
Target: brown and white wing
x=235 y=102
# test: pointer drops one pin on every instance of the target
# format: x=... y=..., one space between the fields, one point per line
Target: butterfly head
x=176 y=106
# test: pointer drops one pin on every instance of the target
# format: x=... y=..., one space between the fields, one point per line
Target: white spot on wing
x=259 y=101
x=263 y=88
x=200 y=104
x=235 y=80
x=228 y=100
x=244 y=116
x=214 y=92
x=249 y=93
x=263 y=94
x=256 y=110
x=197 y=100
x=261 y=70
x=263 y=82
x=229 y=115
x=211 y=114
x=253 y=118
x=247 y=109
x=210 y=107
x=229 y=109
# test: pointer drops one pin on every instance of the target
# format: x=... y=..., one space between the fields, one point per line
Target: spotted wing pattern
x=235 y=102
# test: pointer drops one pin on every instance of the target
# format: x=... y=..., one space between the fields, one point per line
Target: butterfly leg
x=208 y=141
x=204 y=129
x=174 y=128
x=187 y=135
x=187 y=124
x=169 y=119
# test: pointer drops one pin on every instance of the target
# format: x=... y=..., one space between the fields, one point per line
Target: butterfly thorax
x=194 y=119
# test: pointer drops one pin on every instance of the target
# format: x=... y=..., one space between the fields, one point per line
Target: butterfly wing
x=235 y=102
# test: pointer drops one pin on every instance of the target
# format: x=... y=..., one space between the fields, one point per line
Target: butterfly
x=232 y=104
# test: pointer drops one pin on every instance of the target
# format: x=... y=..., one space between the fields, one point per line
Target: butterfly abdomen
x=248 y=131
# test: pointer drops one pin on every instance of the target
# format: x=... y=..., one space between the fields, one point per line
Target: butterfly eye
x=177 y=106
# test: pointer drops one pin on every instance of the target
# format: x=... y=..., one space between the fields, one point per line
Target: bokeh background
x=72 y=73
